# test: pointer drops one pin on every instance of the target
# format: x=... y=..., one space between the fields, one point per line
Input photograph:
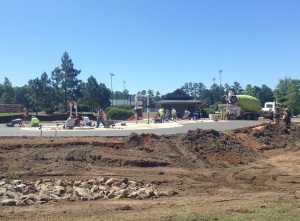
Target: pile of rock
x=19 y=193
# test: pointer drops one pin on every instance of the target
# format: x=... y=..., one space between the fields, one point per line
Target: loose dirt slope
x=201 y=170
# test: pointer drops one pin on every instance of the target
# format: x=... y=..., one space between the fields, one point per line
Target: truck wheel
x=223 y=99
x=233 y=99
x=247 y=117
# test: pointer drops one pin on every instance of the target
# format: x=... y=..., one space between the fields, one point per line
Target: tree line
x=47 y=92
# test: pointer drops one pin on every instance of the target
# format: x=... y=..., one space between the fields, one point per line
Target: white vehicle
x=269 y=109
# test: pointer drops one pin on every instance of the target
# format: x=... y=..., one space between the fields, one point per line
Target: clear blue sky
x=152 y=44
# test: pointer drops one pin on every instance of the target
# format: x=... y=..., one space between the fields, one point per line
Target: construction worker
x=287 y=117
x=174 y=114
x=16 y=121
x=35 y=121
x=277 y=116
x=70 y=123
x=86 y=120
x=76 y=121
x=161 y=113
x=100 y=118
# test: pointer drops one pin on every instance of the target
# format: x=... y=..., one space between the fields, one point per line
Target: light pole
x=214 y=79
x=112 y=99
x=124 y=91
x=220 y=72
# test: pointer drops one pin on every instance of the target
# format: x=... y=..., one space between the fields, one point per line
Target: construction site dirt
x=198 y=171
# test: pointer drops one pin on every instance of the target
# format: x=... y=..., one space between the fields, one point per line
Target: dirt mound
x=247 y=164
x=135 y=139
x=211 y=147
x=30 y=156
x=268 y=136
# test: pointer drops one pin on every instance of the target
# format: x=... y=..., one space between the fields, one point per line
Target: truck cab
x=269 y=109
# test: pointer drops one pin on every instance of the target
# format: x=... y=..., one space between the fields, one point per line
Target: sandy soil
x=207 y=170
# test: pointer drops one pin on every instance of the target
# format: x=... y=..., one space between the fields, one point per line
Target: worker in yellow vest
x=174 y=114
x=161 y=113
x=35 y=121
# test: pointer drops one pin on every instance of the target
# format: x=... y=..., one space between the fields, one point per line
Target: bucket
x=214 y=117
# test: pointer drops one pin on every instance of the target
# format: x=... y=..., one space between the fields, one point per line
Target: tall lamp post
x=124 y=91
x=214 y=79
x=112 y=93
x=220 y=72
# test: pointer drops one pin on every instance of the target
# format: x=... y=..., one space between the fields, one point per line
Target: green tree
x=95 y=94
x=237 y=88
x=206 y=98
x=8 y=94
x=40 y=92
x=252 y=91
x=125 y=94
x=104 y=95
x=91 y=94
x=151 y=99
x=202 y=92
x=21 y=95
x=188 y=88
x=281 y=90
x=157 y=96
x=265 y=94
x=2 y=90
x=118 y=95
x=287 y=93
x=214 y=94
x=195 y=90
x=65 y=80
x=293 y=97
x=156 y=99
x=143 y=92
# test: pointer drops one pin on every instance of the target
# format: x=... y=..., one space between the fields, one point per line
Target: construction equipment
x=241 y=107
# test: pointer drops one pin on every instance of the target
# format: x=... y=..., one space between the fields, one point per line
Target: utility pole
x=214 y=79
x=124 y=91
x=220 y=72
x=111 y=88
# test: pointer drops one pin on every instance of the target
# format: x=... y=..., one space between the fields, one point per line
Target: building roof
x=178 y=95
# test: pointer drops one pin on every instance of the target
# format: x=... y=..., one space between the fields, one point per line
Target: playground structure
x=136 y=106
x=71 y=104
